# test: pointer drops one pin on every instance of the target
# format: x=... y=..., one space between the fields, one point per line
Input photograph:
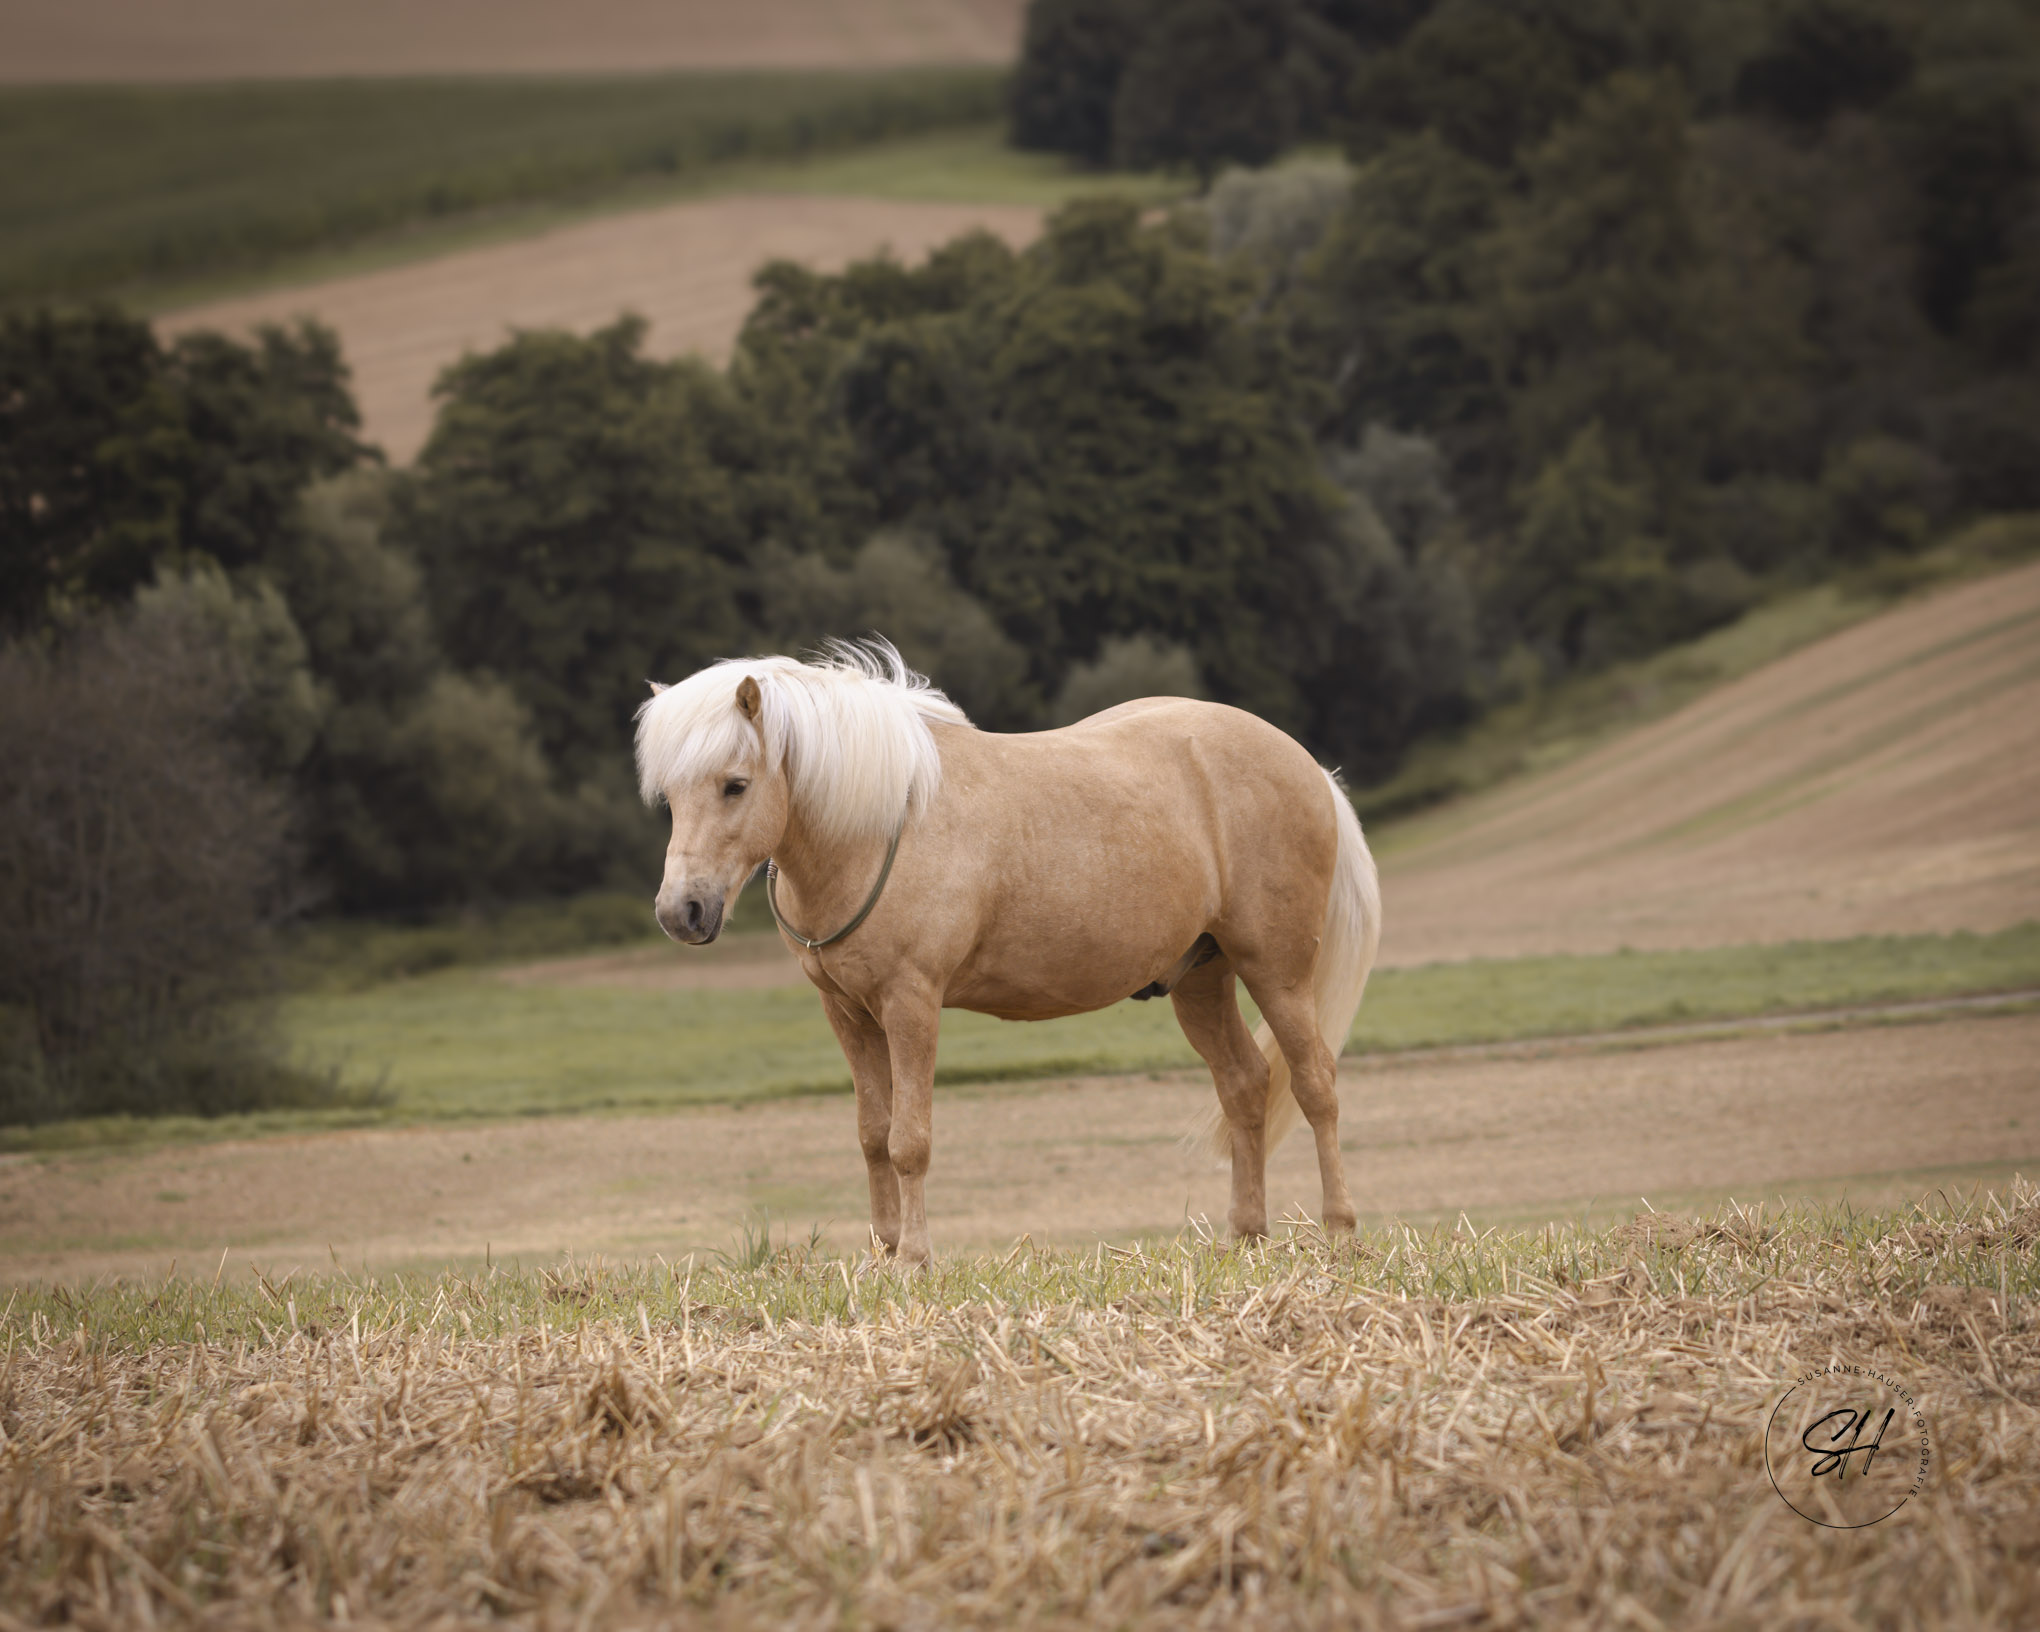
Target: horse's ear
x=749 y=701
x=658 y=686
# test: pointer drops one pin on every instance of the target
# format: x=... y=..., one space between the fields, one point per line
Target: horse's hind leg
x=1210 y=1017
x=1291 y=1014
x=864 y=1046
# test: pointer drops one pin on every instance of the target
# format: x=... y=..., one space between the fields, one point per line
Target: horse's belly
x=1005 y=1002
x=1065 y=979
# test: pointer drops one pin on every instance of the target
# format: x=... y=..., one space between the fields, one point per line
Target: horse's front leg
x=911 y=1025
x=864 y=1046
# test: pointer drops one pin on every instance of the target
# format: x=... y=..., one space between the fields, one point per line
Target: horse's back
x=1206 y=743
x=1164 y=784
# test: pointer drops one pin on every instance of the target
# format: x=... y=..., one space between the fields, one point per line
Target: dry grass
x=1453 y=1430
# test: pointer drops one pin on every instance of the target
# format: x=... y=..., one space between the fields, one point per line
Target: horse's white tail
x=1345 y=958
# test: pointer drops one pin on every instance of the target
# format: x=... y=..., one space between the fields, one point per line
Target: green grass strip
x=106 y=186
x=463 y=1044
x=1491 y=1001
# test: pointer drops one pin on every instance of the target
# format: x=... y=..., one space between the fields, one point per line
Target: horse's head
x=729 y=811
x=820 y=758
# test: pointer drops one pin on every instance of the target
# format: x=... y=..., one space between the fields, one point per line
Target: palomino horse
x=1161 y=846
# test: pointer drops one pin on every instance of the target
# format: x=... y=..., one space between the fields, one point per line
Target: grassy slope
x=105 y=187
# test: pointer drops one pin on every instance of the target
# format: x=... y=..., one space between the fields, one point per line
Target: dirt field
x=144 y=40
x=1883 y=781
x=1880 y=1114
x=685 y=268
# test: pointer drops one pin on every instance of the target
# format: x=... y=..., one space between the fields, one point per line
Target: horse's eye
x=734 y=787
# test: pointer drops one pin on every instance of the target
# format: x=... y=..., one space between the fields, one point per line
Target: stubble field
x=1459 y=1429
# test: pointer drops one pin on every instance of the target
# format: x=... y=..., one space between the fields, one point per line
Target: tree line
x=1585 y=328
x=1687 y=298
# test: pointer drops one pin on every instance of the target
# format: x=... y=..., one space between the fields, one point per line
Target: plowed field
x=1880 y=1114
x=1883 y=781
x=686 y=268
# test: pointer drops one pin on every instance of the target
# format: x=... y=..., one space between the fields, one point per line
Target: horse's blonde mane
x=851 y=729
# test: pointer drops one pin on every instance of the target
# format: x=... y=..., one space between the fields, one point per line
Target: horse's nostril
x=693 y=914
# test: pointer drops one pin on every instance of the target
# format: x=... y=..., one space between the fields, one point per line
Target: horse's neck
x=825 y=874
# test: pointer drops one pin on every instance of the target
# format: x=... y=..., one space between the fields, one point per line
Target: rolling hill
x=1885 y=780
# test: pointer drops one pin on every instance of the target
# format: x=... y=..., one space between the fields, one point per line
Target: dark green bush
x=143 y=865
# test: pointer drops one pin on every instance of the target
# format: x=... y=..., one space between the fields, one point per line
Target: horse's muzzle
x=693 y=917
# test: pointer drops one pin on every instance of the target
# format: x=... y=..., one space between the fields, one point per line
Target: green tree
x=117 y=455
x=143 y=864
x=1972 y=140
x=1494 y=76
x=273 y=703
x=583 y=515
x=1586 y=578
x=1407 y=618
x=1883 y=494
x=421 y=785
x=1218 y=82
x=1386 y=312
x=1591 y=318
x=1126 y=668
x=899 y=586
x=92 y=447
x=1275 y=219
x=1073 y=54
x=1195 y=84
x=1615 y=300
x=1101 y=441
x=1825 y=55
x=1148 y=456
x=262 y=421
